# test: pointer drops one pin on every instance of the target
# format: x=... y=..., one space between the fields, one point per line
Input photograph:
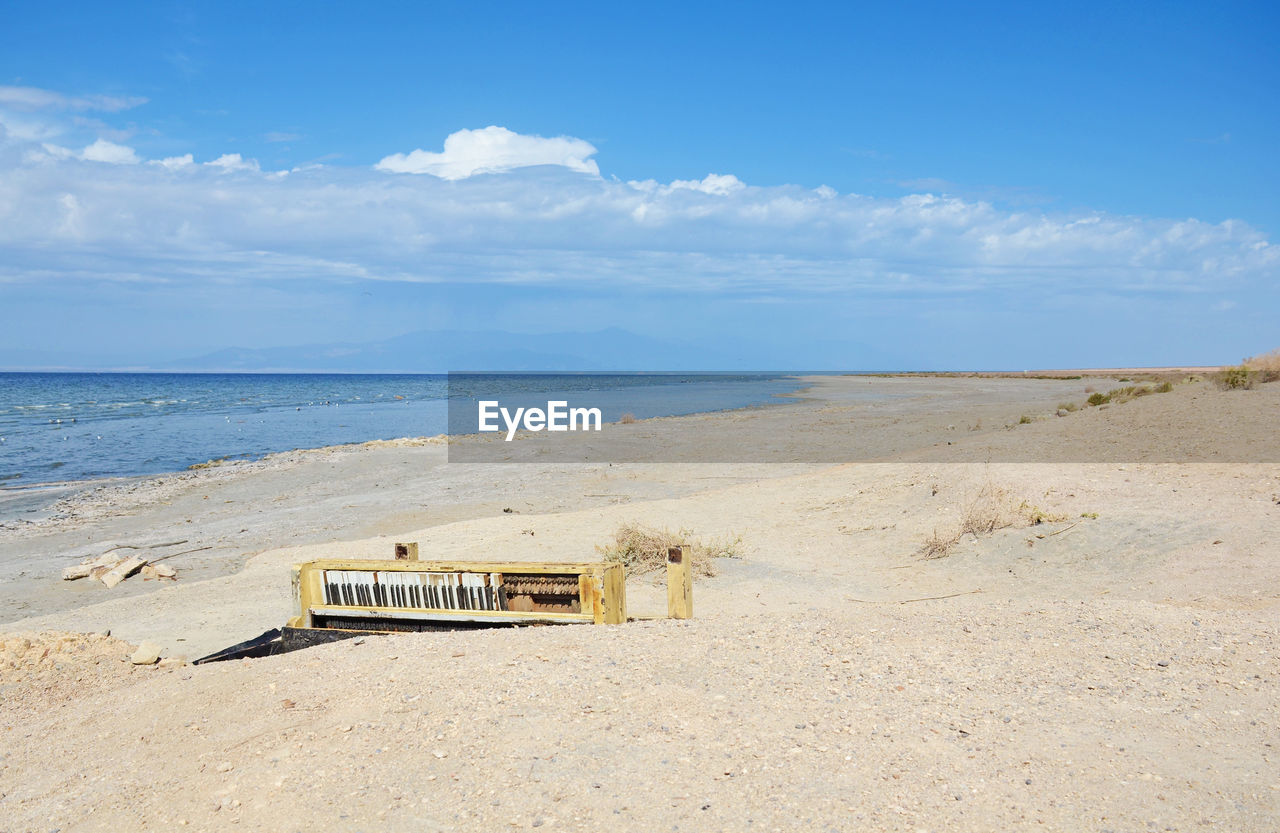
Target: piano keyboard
x=396 y=594
x=422 y=591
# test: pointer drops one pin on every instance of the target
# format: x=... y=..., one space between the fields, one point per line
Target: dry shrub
x=626 y=419
x=938 y=545
x=1266 y=366
x=992 y=509
x=643 y=549
x=1235 y=378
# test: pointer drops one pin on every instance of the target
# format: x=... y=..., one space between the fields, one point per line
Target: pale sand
x=805 y=695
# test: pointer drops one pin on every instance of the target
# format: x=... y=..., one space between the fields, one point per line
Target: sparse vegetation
x=992 y=509
x=627 y=418
x=1265 y=367
x=1234 y=378
x=1120 y=395
x=643 y=549
x=1069 y=407
x=1025 y=420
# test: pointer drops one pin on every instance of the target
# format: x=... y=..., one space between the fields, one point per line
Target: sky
x=800 y=185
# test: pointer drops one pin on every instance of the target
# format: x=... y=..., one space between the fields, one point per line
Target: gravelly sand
x=1109 y=673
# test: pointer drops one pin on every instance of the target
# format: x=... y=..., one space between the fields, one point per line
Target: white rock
x=148 y=653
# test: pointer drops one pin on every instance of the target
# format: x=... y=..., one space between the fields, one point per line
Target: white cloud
x=493 y=150
x=33 y=98
x=59 y=152
x=715 y=184
x=721 y=184
x=104 y=151
x=174 y=163
x=233 y=162
x=99 y=151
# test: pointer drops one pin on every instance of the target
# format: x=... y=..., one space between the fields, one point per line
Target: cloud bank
x=544 y=216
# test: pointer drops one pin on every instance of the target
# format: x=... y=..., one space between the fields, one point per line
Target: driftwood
x=114 y=547
x=92 y=552
x=176 y=554
x=909 y=601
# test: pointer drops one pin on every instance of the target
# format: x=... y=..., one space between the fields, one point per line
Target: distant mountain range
x=444 y=350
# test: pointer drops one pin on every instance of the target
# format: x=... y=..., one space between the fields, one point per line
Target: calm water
x=79 y=426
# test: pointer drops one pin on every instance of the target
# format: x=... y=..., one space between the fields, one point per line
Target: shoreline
x=17 y=483
x=811 y=378
x=347 y=492
x=33 y=506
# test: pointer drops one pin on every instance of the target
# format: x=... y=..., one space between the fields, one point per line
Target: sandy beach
x=1106 y=661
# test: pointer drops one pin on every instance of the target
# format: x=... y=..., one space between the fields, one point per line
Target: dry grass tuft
x=643 y=549
x=626 y=419
x=992 y=509
x=1122 y=395
x=1265 y=365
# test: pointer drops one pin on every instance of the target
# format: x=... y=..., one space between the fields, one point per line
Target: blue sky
x=809 y=185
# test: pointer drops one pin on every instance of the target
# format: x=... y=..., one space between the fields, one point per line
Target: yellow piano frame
x=601 y=592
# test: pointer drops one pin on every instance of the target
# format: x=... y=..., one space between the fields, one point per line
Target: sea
x=68 y=427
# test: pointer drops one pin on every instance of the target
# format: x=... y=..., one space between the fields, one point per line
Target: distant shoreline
x=1090 y=371
x=1058 y=373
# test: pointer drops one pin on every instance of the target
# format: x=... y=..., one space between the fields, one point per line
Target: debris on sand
x=114 y=566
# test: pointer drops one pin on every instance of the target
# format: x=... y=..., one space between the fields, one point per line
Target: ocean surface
x=59 y=427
